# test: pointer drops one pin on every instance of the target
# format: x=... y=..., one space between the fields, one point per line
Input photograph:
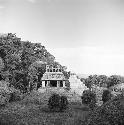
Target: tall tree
x=113 y=80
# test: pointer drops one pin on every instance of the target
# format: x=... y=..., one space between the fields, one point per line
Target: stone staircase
x=43 y=97
x=47 y=92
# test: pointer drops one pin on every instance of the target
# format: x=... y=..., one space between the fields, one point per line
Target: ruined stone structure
x=53 y=77
x=76 y=85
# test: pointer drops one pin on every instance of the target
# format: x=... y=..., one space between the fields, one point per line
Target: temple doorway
x=53 y=83
x=61 y=84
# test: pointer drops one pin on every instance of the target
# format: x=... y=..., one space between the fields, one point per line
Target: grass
x=33 y=111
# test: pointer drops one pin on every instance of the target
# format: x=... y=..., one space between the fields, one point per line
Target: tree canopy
x=22 y=61
x=103 y=80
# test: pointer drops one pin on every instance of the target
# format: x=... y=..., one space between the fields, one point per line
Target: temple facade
x=53 y=77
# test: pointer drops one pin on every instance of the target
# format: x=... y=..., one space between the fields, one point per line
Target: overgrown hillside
x=23 y=61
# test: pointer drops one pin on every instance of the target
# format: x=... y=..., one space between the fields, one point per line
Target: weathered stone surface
x=76 y=85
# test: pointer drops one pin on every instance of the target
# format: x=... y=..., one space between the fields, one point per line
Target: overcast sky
x=84 y=35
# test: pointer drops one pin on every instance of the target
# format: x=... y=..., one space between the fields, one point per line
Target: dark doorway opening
x=61 y=84
x=45 y=83
x=53 y=83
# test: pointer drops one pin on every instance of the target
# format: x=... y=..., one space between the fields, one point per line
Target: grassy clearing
x=33 y=111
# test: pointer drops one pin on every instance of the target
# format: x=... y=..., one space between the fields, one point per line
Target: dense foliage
x=4 y=97
x=114 y=80
x=5 y=93
x=57 y=102
x=103 y=80
x=23 y=62
x=89 y=98
x=63 y=103
x=16 y=95
x=106 y=96
x=100 y=80
x=110 y=113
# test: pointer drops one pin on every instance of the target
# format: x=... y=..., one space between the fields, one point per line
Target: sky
x=84 y=35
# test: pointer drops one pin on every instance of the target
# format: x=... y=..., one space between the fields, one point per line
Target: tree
x=99 y=80
x=113 y=80
x=89 y=98
x=91 y=80
x=106 y=96
x=35 y=72
x=19 y=58
x=102 y=79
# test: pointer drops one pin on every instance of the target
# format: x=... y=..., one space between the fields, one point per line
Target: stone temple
x=53 y=77
x=54 y=80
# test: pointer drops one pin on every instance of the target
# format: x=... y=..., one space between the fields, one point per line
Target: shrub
x=35 y=98
x=57 y=102
x=63 y=103
x=89 y=98
x=4 y=100
x=15 y=95
x=110 y=113
x=4 y=96
x=54 y=102
x=106 y=96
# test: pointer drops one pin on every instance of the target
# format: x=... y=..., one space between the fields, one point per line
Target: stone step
x=70 y=96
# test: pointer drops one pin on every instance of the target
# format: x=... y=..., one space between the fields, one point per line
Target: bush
x=4 y=96
x=57 y=102
x=106 y=96
x=4 y=99
x=110 y=113
x=35 y=98
x=89 y=98
x=15 y=95
x=54 y=102
x=63 y=103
